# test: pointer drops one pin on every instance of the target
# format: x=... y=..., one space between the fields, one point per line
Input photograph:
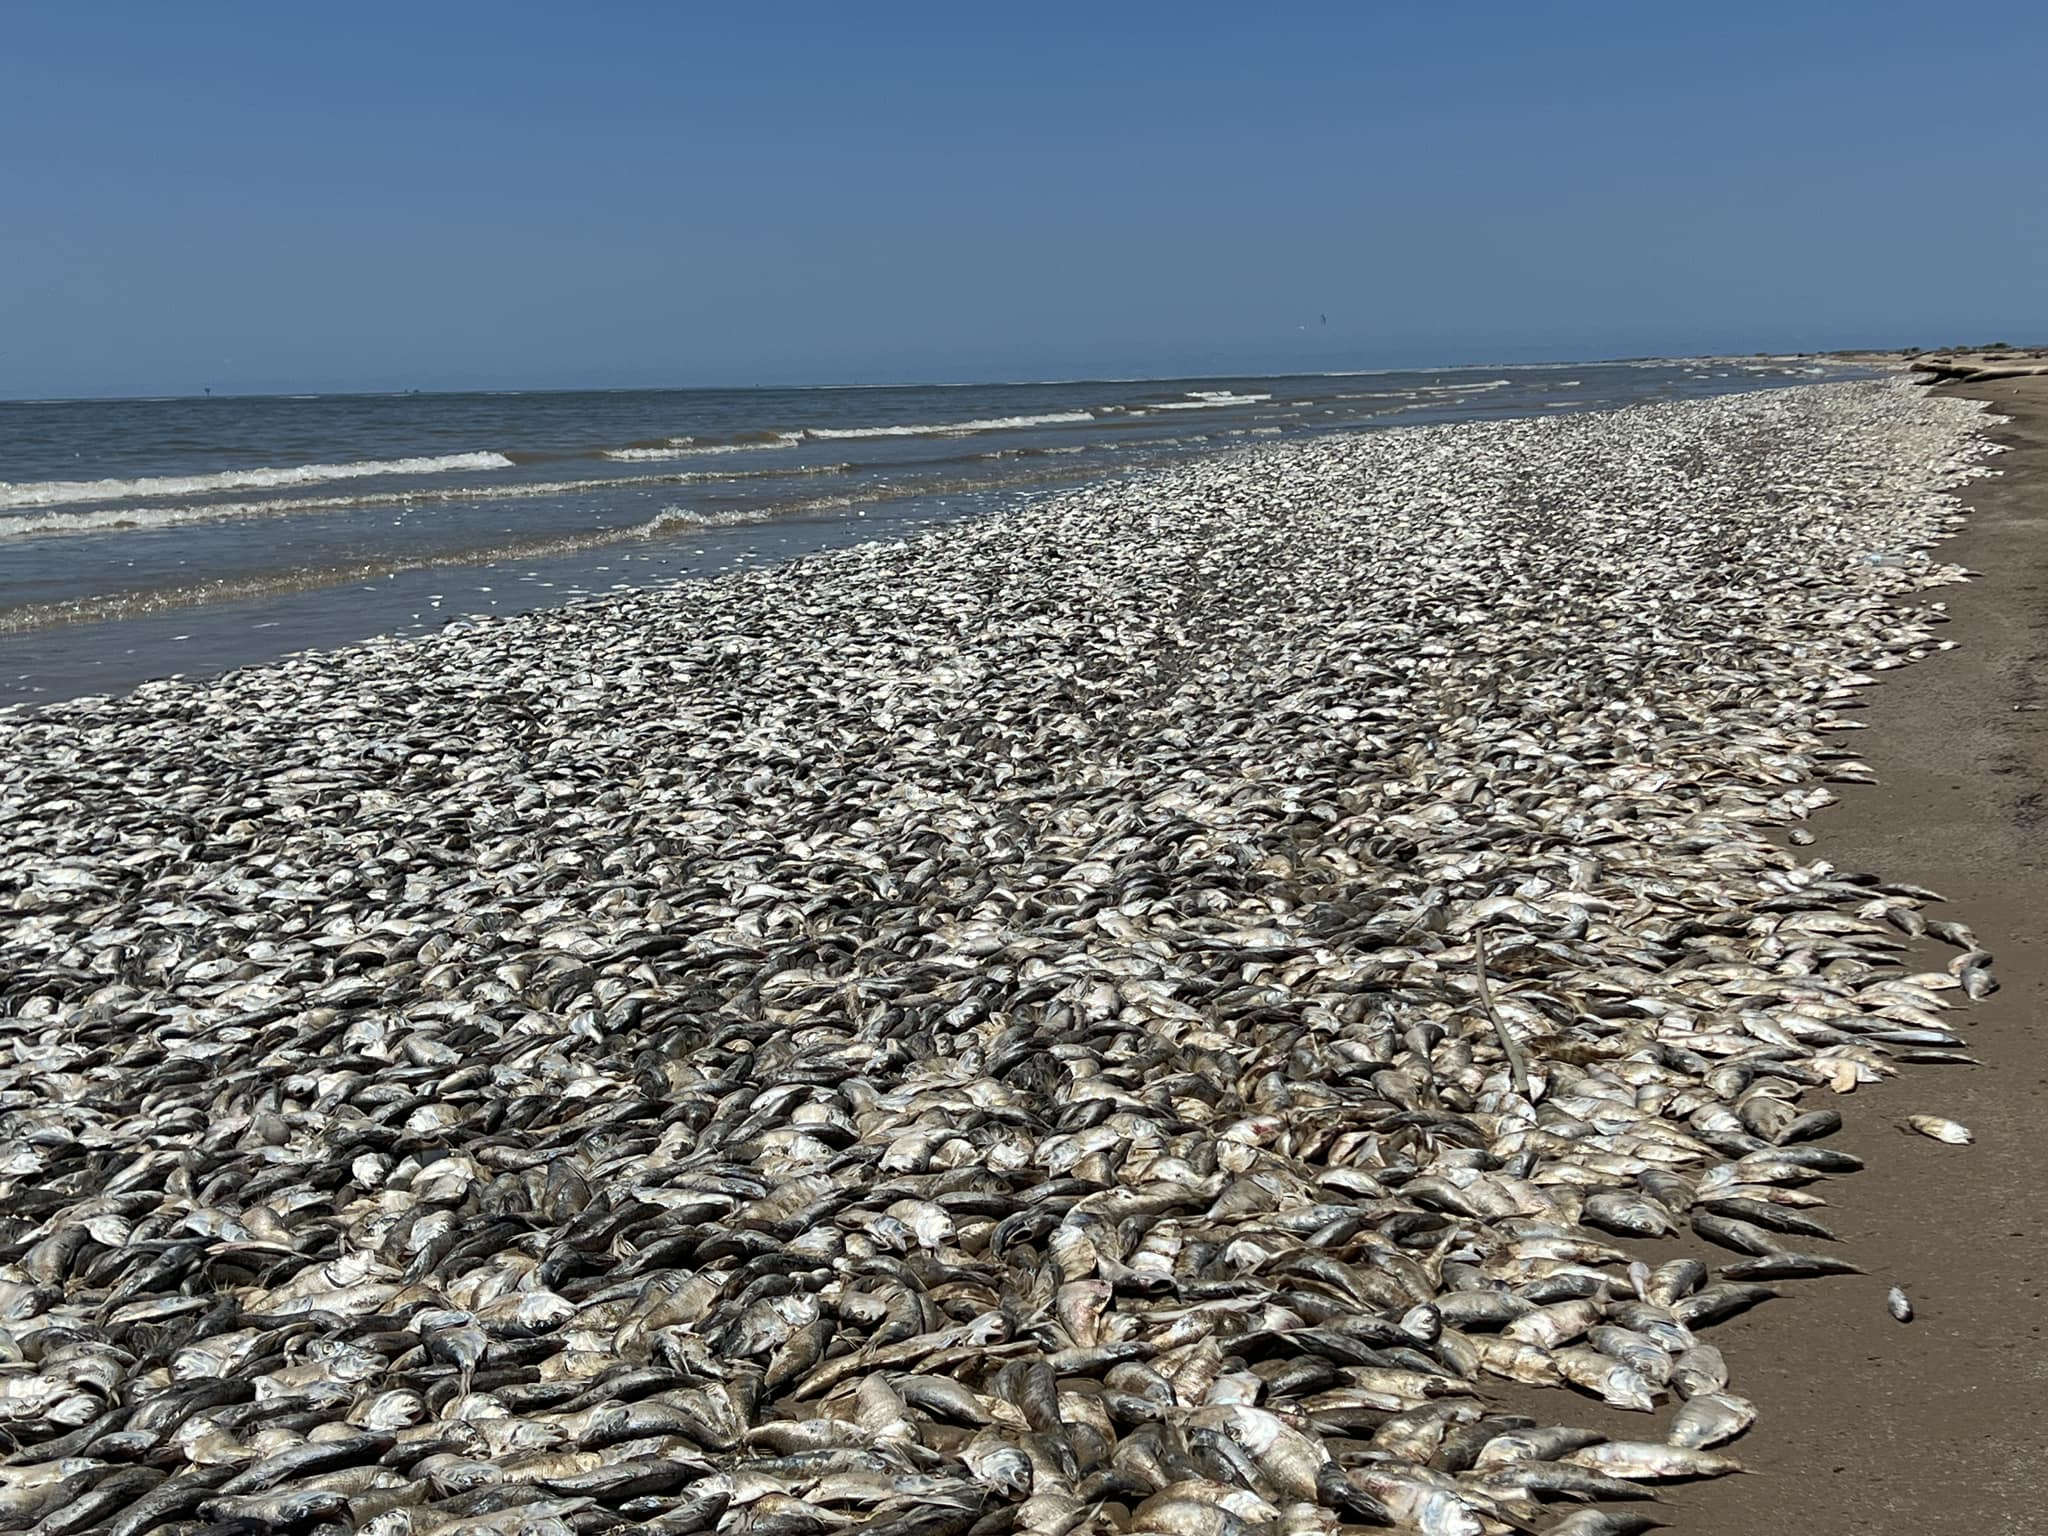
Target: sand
x=1941 y=1425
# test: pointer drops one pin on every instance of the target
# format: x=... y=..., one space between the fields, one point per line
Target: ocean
x=149 y=538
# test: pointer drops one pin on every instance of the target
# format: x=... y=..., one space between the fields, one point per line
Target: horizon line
x=1158 y=378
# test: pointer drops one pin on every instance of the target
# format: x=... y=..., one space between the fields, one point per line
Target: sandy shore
x=1172 y=1010
x=1942 y=1426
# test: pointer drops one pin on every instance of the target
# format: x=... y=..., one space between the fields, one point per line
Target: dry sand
x=1942 y=1425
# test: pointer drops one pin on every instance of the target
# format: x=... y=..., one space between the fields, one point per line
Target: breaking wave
x=57 y=493
x=951 y=428
x=1201 y=400
x=121 y=519
x=693 y=447
x=671 y=522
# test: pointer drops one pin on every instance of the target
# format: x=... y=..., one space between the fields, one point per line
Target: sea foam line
x=670 y=522
x=689 y=447
x=952 y=428
x=122 y=519
x=57 y=493
x=1202 y=400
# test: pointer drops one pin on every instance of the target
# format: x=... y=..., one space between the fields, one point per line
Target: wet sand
x=1941 y=1425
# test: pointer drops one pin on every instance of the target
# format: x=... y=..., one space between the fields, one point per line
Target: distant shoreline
x=1885 y=358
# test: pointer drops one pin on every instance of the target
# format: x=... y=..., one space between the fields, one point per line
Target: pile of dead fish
x=1145 y=1013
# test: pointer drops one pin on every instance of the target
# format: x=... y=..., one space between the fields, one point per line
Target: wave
x=952 y=428
x=692 y=447
x=1203 y=400
x=57 y=493
x=99 y=507
x=105 y=607
x=670 y=523
x=124 y=519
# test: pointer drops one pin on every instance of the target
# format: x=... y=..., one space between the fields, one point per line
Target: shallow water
x=142 y=538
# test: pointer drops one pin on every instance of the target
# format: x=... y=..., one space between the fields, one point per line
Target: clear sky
x=372 y=196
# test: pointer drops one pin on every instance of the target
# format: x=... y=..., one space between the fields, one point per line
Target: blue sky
x=284 y=197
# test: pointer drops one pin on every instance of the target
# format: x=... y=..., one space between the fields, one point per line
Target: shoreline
x=1053 y=945
x=202 y=572
x=1940 y=1427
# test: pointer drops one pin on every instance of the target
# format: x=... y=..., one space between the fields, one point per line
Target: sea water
x=143 y=538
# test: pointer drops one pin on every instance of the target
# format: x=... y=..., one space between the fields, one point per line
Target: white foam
x=674 y=520
x=120 y=519
x=690 y=448
x=1205 y=400
x=57 y=493
x=952 y=428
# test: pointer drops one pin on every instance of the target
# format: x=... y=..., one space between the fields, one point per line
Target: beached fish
x=1643 y=1459
x=1710 y=1418
x=1155 y=1001
x=1941 y=1130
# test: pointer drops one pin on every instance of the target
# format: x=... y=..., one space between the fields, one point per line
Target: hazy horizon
x=276 y=202
x=909 y=384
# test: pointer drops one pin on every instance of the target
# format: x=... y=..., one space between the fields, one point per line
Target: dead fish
x=1940 y=1129
x=1709 y=1419
x=1616 y=1383
x=1086 y=1012
x=1638 y=1459
x=1769 y=1215
x=289 y=1508
x=1699 y=1371
x=1634 y=1215
x=1721 y=1301
x=1978 y=981
x=1730 y=1232
x=1788 y=1266
x=1533 y=1443
x=1638 y=1351
x=1673 y=1279
x=1603 y=1522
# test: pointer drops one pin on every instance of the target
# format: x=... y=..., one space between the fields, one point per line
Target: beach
x=1940 y=1426
x=146 y=538
x=1366 y=981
